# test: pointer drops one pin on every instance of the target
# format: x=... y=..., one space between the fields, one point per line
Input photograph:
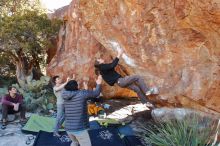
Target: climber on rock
x=133 y=82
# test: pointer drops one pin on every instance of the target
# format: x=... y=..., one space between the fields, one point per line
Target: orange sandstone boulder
x=173 y=44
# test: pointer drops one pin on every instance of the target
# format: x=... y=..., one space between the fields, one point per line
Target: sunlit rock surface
x=76 y=53
x=167 y=114
x=174 y=45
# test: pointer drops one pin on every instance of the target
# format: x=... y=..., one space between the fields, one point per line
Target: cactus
x=37 y=95
x=3 y=91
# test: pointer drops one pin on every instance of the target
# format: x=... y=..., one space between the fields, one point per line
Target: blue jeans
x=60 y=117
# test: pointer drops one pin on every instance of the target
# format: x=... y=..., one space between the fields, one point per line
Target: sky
x=54 y=4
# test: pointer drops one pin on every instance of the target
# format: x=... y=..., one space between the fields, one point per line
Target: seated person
x=12 y=103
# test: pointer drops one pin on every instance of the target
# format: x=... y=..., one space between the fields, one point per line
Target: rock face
x=167 y=114
x=59 y=13
x=77 y=50
x=173 y=44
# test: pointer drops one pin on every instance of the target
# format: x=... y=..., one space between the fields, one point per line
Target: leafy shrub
x=3 y=91
x=38 y=95
x=192 y=131
x=6 y=81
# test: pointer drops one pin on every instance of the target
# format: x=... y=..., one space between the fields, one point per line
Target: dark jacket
x=108 y=72
x=75 y=104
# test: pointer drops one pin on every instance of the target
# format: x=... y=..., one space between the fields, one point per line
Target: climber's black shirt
x=108 y=72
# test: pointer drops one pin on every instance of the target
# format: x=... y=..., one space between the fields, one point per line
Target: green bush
x=6 y=81
x=38 y=95
x=192 y=131
x=3 y=91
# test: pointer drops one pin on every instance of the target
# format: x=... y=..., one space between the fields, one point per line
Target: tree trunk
x=26 y=72
x=23 y=76
x=36 y=69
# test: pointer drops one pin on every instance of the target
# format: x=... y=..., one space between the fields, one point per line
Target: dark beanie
x=72 y=85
